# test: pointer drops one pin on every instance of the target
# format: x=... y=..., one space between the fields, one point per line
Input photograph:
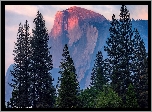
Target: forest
x=119 y=81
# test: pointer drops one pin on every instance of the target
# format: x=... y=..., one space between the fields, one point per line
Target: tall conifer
x=143 y=92
x=113 y=51
x=69 y=87
x=119 y=48
x=98 y=77
x=131 y=100
x=140 y=77
x=43 y=92
x=21 y=80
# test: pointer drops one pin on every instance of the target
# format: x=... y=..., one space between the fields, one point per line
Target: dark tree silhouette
x=140 y=65
x=131 y=100
x=42 y=90
x=98 y=78
x=68 y=90
x=21 y=79
x=119 y=48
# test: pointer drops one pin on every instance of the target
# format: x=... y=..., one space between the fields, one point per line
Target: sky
x=16 y=14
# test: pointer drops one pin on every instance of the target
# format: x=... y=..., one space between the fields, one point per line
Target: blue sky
x=15 y=14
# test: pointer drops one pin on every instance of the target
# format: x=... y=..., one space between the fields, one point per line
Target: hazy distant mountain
x=85 y=32
x=8 y=79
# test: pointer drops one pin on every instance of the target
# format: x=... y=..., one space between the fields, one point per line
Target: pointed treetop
x=38 y=12
x=124 y=13
x=113 y=16
x=66 y=45
x=38 y=17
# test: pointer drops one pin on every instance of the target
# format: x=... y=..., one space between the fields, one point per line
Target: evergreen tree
x=68 y=90
x=140 y=77
x=42 y=90
x=98 y=77
x=131 y=100
x=119 y=48
x=108 y=98
x=144 y=85
x=107 y=70
x=143 y=91
x=88 y=98
x=126 y=36
x=113 y=49
x=21 y=80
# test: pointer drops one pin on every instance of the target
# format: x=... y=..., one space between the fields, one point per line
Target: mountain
x=86 y=33
x=8 y=79
x=142 y=26
x=80 y=29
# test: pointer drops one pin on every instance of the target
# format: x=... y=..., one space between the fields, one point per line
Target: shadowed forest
x=119 y=81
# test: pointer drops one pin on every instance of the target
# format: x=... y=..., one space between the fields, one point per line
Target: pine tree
x=108 y=98
x=68 y=90
x=131 y=100
x=127 y=47
x=87 y=98
x=139 y=67
x=21 y=84
x=119 y=48
x=143 y=92
x=98 y=77
x=26 y=61
x=113 y=49
x=42 y=90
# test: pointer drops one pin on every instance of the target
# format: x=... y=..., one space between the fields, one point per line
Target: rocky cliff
x=84 y=31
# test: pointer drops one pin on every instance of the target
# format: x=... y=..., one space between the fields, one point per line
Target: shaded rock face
x=84 y=31
x=8 y=79
x=142 y=27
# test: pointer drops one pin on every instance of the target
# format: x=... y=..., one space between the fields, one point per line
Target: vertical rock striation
x=85 y=32
x=81 y=29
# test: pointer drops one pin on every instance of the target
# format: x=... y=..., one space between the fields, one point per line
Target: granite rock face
x=84 y=31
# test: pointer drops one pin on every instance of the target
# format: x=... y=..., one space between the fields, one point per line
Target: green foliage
x=98 y=77
x=69 y=87
x=87 y=97
x=131 y=100
x=119 y=49
x=108 y=99
x=126 y=65
x=126 y=53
